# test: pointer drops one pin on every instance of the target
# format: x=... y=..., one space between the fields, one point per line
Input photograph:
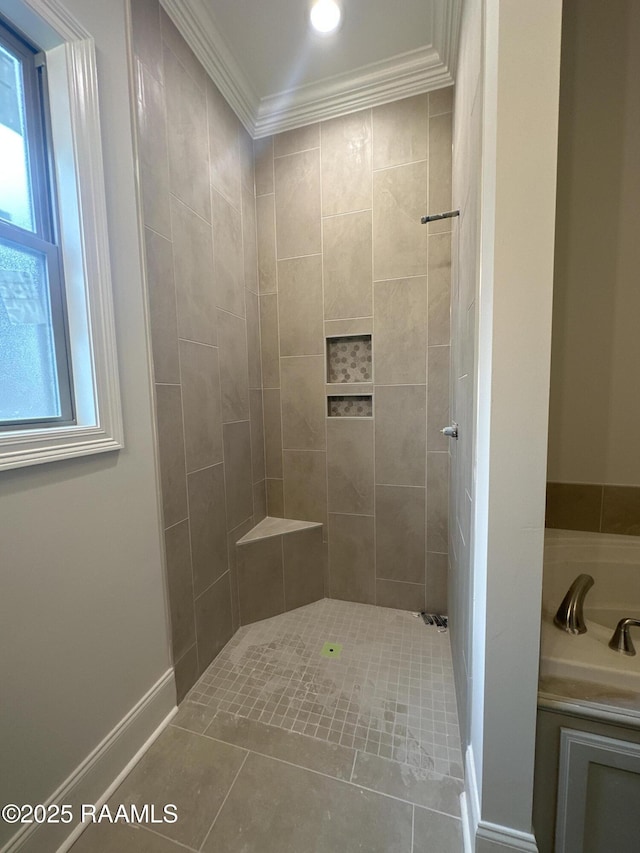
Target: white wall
x=595 y=360
x=519 y=62
x=83 y=630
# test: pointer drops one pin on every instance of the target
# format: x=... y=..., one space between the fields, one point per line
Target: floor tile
x=433 y=831
x=277 y=808
x=122 y=838
x=417 y=785
x=309 y=752
x=188 y=770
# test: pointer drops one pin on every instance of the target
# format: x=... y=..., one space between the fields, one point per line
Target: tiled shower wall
x=197 y=182
x=341 y=251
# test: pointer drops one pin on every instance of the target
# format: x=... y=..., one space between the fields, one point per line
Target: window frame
x=78 y=174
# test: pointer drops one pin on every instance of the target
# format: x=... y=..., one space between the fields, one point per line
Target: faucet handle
x=621 y=640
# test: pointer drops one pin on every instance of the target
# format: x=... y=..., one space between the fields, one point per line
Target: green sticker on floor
x=331 y=650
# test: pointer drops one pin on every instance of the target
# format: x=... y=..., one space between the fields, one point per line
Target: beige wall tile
x=213 y=620
x=224 y=146
x=250 y=241
x=400 y=132
x=257 y=435
x=263 y=153
x=400 y=331
x=436 y=587
x=346 y=163
x=259 y=501
x=438 y=502
x=146 y=35
x=351 y=558
x=350 y=465
x=273 y=433
x=187 y=137
x=232 y=537
x=228 y=263
x=237 y=472
x=171 y=453
x=163 y=319
x=201 y=404
x=253 y=339
x=305 y=485
x=173 y=39
x=270 y=345
x=439 y=275
x=400 y=435
x=300 y=306
x=247 y=171
x=441 y=101
x=440 y=170
x=299 y=139
x=266 y=235
x=193 y=271
x=400 y=533
x=303 y=403
x=180 y=588
x=260 y=579
x=152 y=150
x=186 y=672
x=347 y=265
x=275 y=498
x=298 y=204
x=399 y=240
x=438 y=398
x=574 y=506
x=208 y=526
x=234 y=371
x=304 y=558
x=400 y=595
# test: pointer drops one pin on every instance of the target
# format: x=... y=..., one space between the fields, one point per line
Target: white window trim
x=78 y=163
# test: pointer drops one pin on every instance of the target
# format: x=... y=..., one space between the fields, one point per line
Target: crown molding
x=400 y=76
x=412 y=73
x=196 y=23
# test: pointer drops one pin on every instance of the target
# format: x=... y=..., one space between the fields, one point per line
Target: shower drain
x=331 y=650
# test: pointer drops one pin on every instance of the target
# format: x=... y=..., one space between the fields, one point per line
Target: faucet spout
x=570 y=616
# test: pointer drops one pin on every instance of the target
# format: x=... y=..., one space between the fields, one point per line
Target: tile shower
x=299 y=319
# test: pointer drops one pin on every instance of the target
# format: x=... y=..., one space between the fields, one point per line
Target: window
x=59 y=390
x=35 y=380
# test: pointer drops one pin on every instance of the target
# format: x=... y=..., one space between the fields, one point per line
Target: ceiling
x=277 y=74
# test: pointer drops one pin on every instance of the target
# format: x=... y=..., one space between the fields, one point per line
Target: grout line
x=328 y=775
x=198 y=343
x=399 y=165
x=293 y=153
x=166 y=837
x=244 y=761
x=413 y=828
x=299 y=257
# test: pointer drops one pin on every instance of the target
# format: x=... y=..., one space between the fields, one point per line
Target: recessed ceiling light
x=325 y=16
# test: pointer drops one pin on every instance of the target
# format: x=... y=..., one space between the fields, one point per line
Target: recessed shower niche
x=349 y=359
x=350 y=362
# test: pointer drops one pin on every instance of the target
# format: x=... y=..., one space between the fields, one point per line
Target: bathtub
x=614 y=563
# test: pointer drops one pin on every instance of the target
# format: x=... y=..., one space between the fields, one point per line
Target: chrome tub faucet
x=570 y=616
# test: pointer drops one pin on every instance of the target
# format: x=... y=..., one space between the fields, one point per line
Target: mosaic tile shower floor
x=389 y=693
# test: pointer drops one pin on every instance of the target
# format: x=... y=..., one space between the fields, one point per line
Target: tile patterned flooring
x=278 y=748
x=390 y=693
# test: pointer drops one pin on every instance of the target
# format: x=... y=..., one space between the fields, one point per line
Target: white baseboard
x=95 y=778
x=482 y=836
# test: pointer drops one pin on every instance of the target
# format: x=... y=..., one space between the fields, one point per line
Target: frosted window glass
x=28 y=378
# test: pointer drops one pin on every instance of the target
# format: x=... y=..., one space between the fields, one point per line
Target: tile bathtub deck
x=279 y=748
